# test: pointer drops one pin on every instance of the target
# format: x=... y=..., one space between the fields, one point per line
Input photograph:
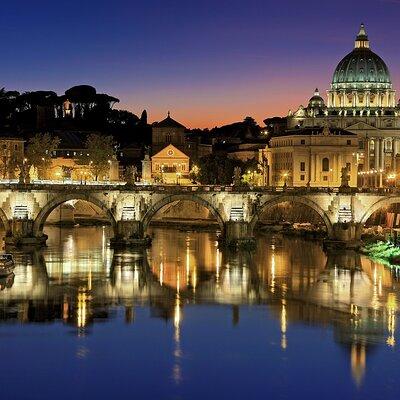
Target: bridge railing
x=14 y=184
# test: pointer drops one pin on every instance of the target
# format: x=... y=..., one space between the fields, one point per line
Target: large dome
x=361 y=68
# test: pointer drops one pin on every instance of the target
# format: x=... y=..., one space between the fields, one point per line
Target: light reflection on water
x=290 y=307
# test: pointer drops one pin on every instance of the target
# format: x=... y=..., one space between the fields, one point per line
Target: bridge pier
x=22 y=235
x=345 y=235
x=129 y=233
x=238 y=234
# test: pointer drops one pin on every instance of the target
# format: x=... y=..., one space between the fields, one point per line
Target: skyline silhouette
x=209 y=64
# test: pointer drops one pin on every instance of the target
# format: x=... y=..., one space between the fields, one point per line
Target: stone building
x=310 y=157
x=170 y=165
x=11 y=156
x=67 y=162
x=361 y=100
x=169 y=131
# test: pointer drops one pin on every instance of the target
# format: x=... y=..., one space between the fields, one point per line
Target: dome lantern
x=362 y=41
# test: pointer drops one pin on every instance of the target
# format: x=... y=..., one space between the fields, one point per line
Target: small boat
x=6 y=264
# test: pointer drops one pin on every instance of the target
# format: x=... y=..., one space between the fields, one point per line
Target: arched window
x=325 y=164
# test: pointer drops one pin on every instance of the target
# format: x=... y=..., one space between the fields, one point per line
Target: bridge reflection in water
x=294 y=280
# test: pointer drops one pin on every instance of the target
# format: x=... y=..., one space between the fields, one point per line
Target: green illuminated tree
x=100 y=153
x=39 y=152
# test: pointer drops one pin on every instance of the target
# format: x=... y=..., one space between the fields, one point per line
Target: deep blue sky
x=209 y=62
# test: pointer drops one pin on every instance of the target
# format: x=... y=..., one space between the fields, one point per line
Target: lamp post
x=391 y=179
x=178 y=177
x=285 y=175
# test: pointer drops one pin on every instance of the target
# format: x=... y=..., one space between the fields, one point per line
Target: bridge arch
x=176 y=197
x=385 y=202
x=292 y=199
x=57 y=201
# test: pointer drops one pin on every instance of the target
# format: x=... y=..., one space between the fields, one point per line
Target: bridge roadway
x=24 y=208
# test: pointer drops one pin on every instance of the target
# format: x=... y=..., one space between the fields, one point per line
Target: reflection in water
x=79 y=280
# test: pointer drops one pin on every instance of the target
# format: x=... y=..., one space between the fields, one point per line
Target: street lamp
x=285 y=176
x=391 y=179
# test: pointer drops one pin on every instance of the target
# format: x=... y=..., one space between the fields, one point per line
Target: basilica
x=361 y=101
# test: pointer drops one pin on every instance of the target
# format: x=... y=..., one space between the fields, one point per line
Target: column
x=376 y=162
x=382 y=161
x=335 y=170
x=340 y=165
x=393 y=166
x=366 y=154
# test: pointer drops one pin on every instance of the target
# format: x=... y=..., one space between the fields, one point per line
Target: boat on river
x=6 y=264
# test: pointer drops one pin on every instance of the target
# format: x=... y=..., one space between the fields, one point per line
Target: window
x=302 y=166
x=168 y=138
x=302 y=177
x=302 y=141
x=348 y=166
x=325 y=178
x=325 y=164
x=348 y=142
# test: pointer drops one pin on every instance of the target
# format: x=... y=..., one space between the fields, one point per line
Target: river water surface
x=186 y=320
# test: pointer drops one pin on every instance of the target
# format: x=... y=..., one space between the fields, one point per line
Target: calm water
x=185 y=320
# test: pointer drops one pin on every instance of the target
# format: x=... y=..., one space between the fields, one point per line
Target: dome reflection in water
x=273 y=316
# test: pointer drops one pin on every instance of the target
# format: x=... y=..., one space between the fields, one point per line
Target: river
x=186 y=320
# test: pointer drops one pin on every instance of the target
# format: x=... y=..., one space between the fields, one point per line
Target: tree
x=217 y=169
x=8 y=101
x=101 y=150
x=38 y=152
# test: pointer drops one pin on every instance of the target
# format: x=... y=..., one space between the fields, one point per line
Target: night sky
x=209 y=62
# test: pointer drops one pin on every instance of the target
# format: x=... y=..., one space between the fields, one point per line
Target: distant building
x=170 y=165
x=246 y=151
x=11 y=156
x=311 y=156
x=362 y=100
x=66 y=160
x=169 y=131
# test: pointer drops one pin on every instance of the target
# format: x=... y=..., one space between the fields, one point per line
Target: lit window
x=325 y=164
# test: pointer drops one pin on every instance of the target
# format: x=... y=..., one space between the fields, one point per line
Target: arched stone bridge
x=25 y=208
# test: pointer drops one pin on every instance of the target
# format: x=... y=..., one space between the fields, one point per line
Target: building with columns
x=361 y=100
x=311 y=157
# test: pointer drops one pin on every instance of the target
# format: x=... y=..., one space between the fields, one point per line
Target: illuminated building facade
x=11 y=156
x=66 y=163
x=362 y=100
x=170 y=165
x=311 y=157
